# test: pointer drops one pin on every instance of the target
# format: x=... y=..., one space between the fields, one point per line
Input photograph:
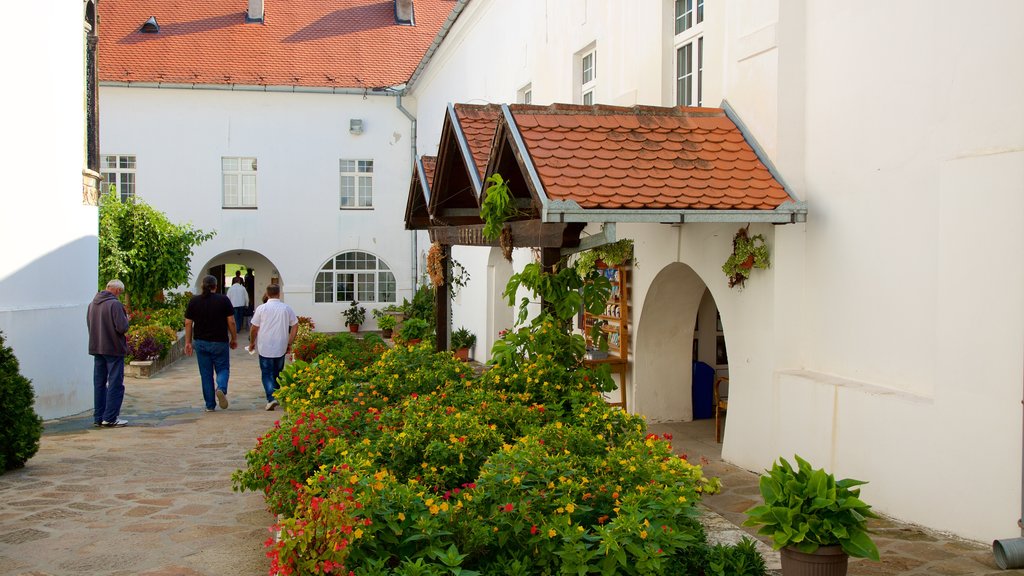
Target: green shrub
x=149 y=342
x=20 y=426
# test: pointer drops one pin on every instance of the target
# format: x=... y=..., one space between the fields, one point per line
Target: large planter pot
x=353 y=327
x=826 y=561
x=387 y=333
x=462 y=354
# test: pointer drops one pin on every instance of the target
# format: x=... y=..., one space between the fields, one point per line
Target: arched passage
x=663 y=355
x=500 y=314
x=263 y=269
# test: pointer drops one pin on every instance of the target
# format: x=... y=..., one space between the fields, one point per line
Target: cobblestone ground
x=153 y=498
x=905 y=549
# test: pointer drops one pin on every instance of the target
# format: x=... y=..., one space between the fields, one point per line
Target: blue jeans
x=270 y=369
x=108 y=387
x=240 y=316
x=213 y=359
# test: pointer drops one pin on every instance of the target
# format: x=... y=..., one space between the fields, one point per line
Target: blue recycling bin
x=702 y=392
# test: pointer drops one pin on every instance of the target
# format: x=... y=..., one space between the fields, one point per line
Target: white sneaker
x=271 y=405
x=115 y=424
x=222 y=399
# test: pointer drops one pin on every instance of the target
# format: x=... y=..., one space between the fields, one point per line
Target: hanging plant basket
x=748 y=252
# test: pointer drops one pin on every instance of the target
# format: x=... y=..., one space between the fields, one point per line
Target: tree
x=142 y=248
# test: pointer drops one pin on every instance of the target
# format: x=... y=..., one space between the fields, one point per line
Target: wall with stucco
x=49 y=260
x=179 y=137
x=885 y=342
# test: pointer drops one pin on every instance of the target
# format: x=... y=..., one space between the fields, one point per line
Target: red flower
x=509 y=507
x=533 y=529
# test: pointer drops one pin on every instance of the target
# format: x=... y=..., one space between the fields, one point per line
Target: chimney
x=404 y=13
x=255 y=13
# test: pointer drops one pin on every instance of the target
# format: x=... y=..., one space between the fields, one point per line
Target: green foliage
x=807 y=508
x=414 y=329
x=385 y=321
x=354 y=314
x=497 y=208
x=20 y=426
x=743 y=559
x=422 y=305
x=145 y=250
x=463 y=338
x=612 y=254
x=149 y=342
x=748 y=252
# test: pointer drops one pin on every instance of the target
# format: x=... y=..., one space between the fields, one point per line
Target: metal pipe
x=414 y=240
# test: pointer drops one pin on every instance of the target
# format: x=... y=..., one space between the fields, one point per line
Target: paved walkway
x=155 y=498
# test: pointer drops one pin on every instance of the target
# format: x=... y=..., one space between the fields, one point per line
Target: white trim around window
x=688 y=48
x=355 y=275
x=356 y=184
x=239 y=181
x=119 y=171
x=586 y=74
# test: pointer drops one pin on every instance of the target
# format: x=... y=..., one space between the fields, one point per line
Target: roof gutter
x=413 y=242
x=246 y=88
x=569 y=211
x=460 y=5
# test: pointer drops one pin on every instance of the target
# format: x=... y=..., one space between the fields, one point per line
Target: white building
x=279 y=125
x=885 y=342
x=49 y=221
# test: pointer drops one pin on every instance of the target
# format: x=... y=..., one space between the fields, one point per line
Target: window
x=239 y=182
x=588 y=76
x=357 y=183
x=119 y=172
x=689 y=52
x=525 y=94
x=355 y=276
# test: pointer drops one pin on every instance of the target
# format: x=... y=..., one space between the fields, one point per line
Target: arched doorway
x=223 y=265
x=500 y=314
x=679 y=324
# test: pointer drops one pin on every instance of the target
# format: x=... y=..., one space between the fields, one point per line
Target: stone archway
x=662 y=356
x=263 y=269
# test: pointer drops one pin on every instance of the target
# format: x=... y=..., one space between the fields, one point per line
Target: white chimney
x=255 y=11
x=404 y=12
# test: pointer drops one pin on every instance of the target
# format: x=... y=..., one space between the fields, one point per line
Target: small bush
x=151 y=342
x=20 y=426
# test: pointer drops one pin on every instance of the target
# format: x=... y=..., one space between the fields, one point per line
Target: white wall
x=179 y=137
x=886 y=340
x=48 y=264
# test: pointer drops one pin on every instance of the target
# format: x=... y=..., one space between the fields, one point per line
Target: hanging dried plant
x=506 y=243
x=435 y=265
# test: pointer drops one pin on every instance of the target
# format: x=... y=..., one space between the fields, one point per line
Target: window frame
x=348 y=276
x=241 y=174
x=525 y=94
x=585 y=86
x=358 y=176
x=688 y=43
x=125 y=178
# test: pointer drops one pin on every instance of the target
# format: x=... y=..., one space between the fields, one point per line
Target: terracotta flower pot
x=353 y=327
x=749 y=262
x=413 y=341
x=462 y=354
x=826 y=561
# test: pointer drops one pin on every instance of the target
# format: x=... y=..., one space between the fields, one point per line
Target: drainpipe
x=1009 y=552
x=412 y=154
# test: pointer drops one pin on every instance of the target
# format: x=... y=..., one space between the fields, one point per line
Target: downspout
x=1009 y=552
x=412 y=153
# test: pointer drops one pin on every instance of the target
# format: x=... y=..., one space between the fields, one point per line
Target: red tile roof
x=645 y=157
x=478 y=123
x=429 y=164
x=308 y=43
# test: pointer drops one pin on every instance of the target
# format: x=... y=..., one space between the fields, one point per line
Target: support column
x=443 y=300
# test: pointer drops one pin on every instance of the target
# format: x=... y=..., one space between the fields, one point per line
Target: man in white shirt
x=271 y=332
x=239 y=300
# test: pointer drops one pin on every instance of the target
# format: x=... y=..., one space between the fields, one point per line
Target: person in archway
x=274 y=326
x=239 y=300
x=210 y=326
x=250 y=287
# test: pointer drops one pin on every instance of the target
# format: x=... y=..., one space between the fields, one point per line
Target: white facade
x=885 y=343
x=179 y=136
x=48 y=224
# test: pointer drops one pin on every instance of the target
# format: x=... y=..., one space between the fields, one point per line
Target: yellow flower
x=516 y=480
x=552 y=533
x=434 y=509
x=401 y=517
x=643 y=534
x=358 y=533
x=570 y=508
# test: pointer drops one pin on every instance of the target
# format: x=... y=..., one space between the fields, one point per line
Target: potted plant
x=462 y=341
x=354 y=316
x=747 y=252
x=386 y=322
x=598 y=349
x=818 y=522
x=414 y=330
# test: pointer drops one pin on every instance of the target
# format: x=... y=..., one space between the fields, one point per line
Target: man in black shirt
x=210 y=331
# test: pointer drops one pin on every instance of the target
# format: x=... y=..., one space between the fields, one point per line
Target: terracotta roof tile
x=645 y=157
x=313 y=43
x=478 y=124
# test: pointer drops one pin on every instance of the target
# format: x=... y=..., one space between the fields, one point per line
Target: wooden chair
x=721 y=405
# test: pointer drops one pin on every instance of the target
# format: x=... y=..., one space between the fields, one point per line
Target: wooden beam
x=442 y=301
x=525 y=234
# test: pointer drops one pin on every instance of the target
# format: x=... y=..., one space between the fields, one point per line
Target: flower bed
x=411 y=465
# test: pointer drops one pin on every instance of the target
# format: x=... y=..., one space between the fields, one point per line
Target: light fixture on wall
x=355 y=126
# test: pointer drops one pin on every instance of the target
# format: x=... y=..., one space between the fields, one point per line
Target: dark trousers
x=108 y=387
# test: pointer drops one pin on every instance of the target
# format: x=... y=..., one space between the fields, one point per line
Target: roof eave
x=789 y=212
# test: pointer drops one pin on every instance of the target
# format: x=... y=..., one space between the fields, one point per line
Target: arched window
x=356 y=276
